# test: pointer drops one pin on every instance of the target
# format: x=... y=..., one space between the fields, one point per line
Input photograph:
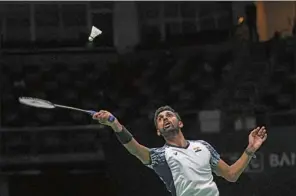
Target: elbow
x=232 y=178
x=140 y=157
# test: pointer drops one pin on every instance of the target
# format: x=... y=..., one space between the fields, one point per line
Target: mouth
x=166 y=125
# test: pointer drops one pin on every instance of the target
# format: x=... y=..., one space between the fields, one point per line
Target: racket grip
x=110 y=119
x=91 y=112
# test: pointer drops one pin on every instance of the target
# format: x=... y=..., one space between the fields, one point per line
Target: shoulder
x=214 y=155
x=157 y=151
x=157 y=155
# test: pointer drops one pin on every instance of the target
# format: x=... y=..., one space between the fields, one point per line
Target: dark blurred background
x=224 y=66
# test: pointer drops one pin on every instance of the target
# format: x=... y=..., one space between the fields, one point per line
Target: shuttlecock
x=94 y=33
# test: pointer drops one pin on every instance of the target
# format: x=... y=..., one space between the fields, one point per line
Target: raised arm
x=124 y=136
x=232 y=172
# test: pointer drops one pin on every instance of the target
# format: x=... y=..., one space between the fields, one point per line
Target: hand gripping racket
x=40 y=103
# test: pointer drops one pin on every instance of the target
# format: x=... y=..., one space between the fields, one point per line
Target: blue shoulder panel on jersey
x=161 y=167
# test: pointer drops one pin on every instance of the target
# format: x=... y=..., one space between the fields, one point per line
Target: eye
x=169 y=114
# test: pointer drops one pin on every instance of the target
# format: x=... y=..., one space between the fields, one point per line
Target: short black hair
x=164 y=108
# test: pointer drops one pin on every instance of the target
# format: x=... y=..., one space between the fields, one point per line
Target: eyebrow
x=160 y=115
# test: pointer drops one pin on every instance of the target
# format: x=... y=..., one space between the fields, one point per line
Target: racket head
x=35 y=102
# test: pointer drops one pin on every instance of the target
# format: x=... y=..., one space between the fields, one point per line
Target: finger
x=255 y=131
x=96 y=115
x=101 y=119
x=104 y=116
x=261 y=131
x=103 y=111
x=264 y=137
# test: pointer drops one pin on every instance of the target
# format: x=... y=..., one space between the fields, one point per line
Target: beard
x=170 y=132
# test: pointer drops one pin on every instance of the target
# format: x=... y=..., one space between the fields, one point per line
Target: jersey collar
x=171 y=145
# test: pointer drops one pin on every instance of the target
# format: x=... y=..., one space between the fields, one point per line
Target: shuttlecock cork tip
x=94 y=33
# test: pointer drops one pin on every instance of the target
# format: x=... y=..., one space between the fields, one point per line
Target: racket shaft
x=72 y=108
x=90 y=112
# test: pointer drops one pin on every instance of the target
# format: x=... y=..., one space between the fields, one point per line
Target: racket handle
x=110 y=119
x=91 y=112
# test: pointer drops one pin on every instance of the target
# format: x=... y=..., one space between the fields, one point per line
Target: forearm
x=129 y=144
x=232 y=173
x=116 y=126
x=127 y=140
x=240 y=165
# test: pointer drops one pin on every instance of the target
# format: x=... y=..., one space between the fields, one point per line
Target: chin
x=170 y=132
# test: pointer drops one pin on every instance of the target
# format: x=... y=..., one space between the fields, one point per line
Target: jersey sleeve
x=215 y=156
x=157 y=156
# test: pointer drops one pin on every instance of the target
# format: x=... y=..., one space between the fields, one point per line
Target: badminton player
x=185 y=166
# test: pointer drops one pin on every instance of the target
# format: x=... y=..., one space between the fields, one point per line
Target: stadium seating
x=233 y=81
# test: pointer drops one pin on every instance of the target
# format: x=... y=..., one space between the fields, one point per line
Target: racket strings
x=36 y=102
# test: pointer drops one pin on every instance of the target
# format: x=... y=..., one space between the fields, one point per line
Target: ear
x=158 y=132
x=181 y=124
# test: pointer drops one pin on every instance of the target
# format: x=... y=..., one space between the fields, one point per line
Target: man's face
x=168 y=123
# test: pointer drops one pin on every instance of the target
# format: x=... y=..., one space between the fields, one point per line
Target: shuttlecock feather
x=94 y=33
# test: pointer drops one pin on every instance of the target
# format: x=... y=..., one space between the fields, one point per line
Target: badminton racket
x=40 y=103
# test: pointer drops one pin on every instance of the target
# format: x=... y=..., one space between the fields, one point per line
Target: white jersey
x=186 y=171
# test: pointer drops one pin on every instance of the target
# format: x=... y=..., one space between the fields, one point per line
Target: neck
x=177 y=140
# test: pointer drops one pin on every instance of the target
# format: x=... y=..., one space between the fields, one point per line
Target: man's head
x=167 y=122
